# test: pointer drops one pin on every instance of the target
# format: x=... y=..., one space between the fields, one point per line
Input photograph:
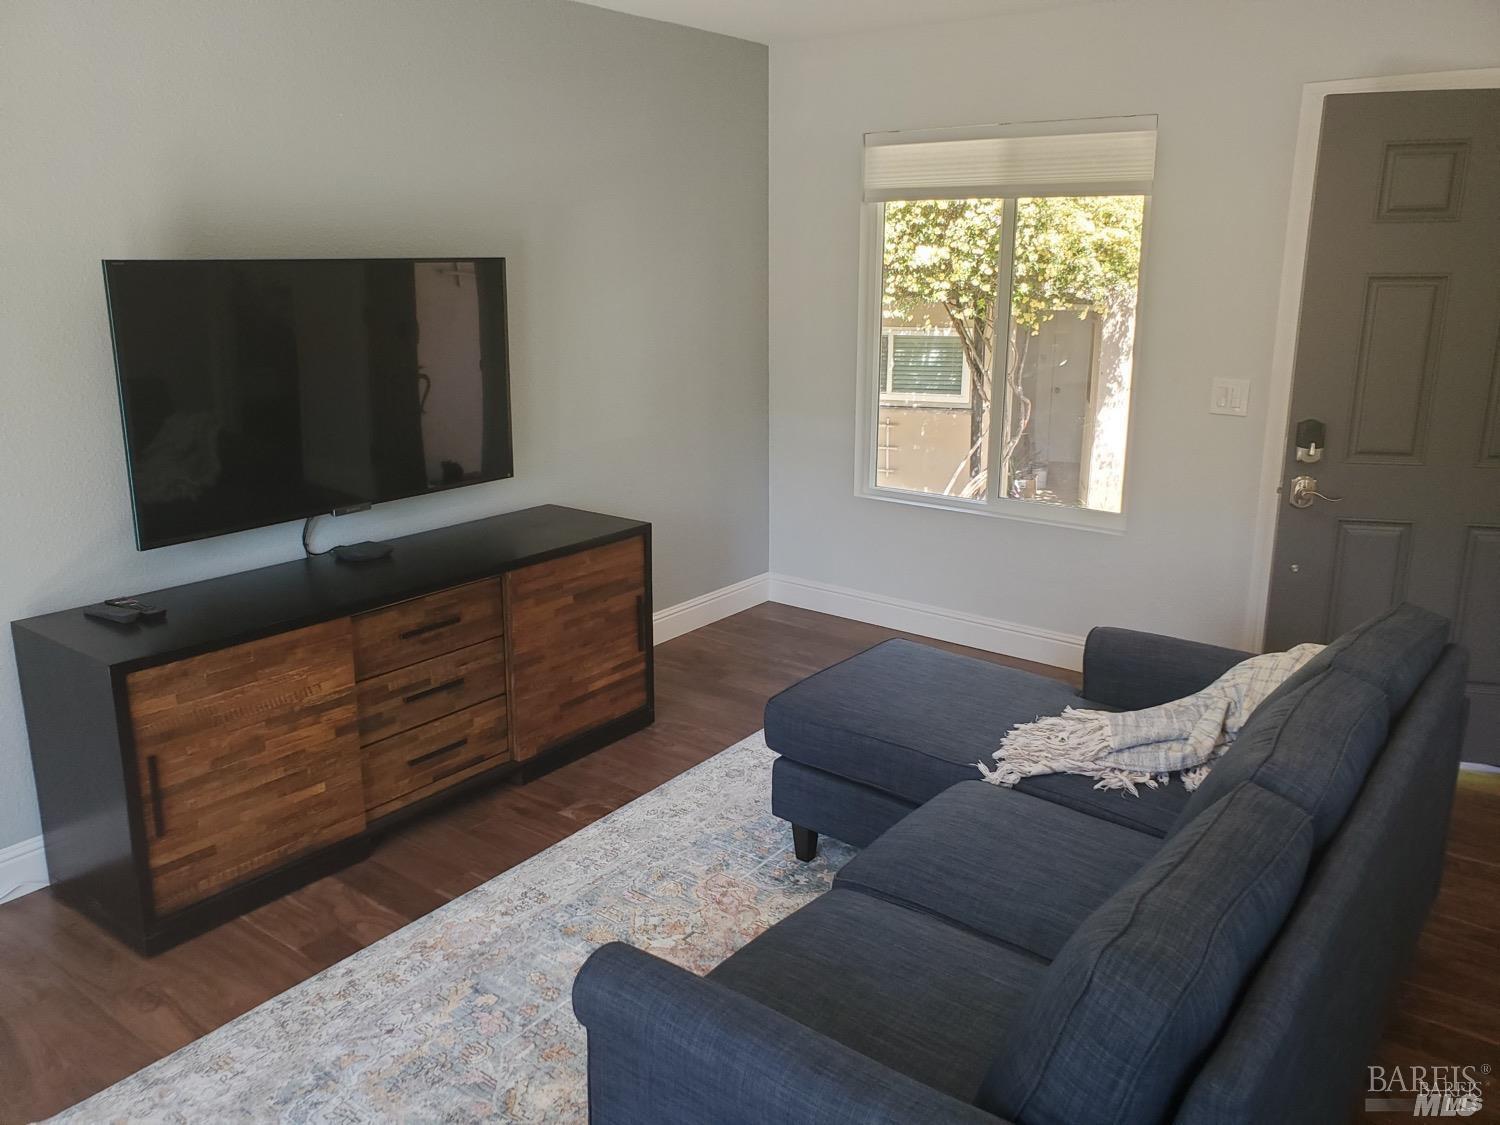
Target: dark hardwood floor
x=79 y=1011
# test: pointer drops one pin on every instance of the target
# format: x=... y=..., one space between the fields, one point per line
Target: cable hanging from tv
x=307 y=538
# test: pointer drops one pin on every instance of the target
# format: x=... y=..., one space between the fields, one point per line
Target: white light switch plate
x=1230 y=396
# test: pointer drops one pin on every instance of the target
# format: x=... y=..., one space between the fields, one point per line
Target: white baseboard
x=707 y=608
x=1025 y=642
x=23 y=869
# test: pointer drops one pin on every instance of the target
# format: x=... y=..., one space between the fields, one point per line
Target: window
x=1001 y=314
x=916 y=365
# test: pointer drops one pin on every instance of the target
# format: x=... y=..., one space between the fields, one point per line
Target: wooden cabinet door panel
x=578 y=643
x=246 y=758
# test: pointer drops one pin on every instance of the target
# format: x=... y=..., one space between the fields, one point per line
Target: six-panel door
x=1397 y=355
x=246 y=758
x=579 y=632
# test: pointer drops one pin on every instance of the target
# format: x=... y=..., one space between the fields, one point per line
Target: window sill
x=1026 y=511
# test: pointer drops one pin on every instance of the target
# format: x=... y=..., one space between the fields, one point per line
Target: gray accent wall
x=620 y=164
x=1226 y=80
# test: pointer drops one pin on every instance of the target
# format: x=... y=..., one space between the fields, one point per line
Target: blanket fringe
x=1074 y=742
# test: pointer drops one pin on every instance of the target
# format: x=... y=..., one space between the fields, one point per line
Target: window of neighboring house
x=1004 y=315
x=918 y=366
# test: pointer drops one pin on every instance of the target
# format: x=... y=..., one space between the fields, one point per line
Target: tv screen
x=259 y=391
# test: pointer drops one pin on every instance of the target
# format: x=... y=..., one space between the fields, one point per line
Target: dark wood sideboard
x=278 y=720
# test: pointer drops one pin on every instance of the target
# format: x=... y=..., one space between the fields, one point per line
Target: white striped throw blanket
x=1124 y=749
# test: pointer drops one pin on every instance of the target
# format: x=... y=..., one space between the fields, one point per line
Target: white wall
x=1225 y=78
x=619 y=164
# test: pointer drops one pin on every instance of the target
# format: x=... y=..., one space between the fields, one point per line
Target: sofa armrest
x=1130 y=670
x=666 y=1046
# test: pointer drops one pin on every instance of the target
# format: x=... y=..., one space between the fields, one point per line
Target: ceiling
x=782 y=21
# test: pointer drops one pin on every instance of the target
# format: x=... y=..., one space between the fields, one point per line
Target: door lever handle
x=1305 y=491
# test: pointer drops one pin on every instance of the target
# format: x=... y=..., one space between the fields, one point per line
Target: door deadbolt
x=1312 y=437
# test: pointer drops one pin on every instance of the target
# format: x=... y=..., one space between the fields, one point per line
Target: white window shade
x=1099 y=157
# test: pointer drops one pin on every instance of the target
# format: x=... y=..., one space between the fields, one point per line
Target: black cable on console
x=307 y=546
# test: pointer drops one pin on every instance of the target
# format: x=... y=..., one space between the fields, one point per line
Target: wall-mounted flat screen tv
x=259 y=391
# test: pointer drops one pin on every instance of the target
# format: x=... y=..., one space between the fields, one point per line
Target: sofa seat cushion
x=901 y=987
x=912 y=720
x=1016 y=869
x=1144 y=986
x=1314 y=746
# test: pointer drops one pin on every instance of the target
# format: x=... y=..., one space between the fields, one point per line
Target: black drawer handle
x=642 y=628
x=153 y=780
x=430 y=627
x=438 y=753
x=425 y=692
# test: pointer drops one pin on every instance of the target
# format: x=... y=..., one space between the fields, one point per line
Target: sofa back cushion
x=1390 y=655
x=1297 y=1046
x=1313 y=745
x=1141 y=989
x=1393 y=650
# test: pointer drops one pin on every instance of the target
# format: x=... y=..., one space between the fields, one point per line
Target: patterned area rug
x=465 y=1015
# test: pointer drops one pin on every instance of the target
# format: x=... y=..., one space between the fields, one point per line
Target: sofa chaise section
x=864 y=742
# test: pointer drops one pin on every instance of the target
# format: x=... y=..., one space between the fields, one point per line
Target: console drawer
x=409 y=697
x=426 y=759
x=410 y=632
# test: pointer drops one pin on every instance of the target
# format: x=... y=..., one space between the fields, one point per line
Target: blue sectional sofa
x=1054 y=953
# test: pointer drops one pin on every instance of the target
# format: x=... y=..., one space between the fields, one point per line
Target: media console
x=278 y=720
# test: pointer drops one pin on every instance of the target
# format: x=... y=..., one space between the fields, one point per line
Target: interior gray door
x=1398 y=355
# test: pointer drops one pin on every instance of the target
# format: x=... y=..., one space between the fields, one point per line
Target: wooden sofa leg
x=804 y=843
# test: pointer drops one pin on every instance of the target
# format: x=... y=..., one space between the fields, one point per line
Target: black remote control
x=114 y=614
x=145 y=610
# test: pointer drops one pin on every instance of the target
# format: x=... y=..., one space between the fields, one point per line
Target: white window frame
x=868 y=388
x=895 y=398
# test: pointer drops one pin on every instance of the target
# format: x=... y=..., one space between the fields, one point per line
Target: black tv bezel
x=509 y=467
